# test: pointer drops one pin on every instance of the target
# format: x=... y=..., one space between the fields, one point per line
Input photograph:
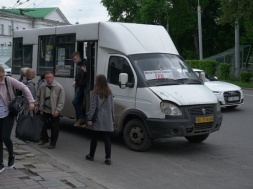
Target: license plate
x=233 y=98
x=204 y=119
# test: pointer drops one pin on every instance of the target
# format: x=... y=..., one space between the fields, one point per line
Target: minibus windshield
x=164 y=69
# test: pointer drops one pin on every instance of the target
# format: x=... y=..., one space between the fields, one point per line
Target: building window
x=2 y=29
x=9 y=30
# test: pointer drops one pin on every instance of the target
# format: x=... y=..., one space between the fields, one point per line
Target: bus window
x=46 y=54
x=119 y=65
x=55 y=54
x=28 y=54
x=65 y=46
x=17 y=55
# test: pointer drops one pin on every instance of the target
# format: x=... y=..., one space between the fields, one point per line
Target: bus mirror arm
x=130 y=85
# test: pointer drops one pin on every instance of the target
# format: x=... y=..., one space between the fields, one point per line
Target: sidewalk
x=34 y=170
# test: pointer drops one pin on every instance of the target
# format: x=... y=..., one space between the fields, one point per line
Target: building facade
x=21 y=19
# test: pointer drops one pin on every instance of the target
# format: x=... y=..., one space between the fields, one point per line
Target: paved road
x=224 y=160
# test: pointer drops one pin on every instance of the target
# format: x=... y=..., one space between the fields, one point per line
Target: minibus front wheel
x=136 y=136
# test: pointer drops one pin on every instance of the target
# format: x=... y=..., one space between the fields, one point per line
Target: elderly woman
x=6 y=118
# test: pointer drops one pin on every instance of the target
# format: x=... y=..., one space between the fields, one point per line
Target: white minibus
x=156 y=94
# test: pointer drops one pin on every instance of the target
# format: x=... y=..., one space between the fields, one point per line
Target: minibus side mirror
x=123 y=78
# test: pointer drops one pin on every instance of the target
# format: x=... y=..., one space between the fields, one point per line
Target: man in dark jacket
x=79 y=83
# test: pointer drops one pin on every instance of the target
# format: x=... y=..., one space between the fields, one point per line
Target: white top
x=4 y=111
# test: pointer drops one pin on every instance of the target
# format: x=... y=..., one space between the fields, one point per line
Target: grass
x=241 y=84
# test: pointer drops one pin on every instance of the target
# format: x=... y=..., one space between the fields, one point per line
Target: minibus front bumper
x=168 y=128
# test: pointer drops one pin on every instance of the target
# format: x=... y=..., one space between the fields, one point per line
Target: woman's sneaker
x=11 y=162
x=1 y=168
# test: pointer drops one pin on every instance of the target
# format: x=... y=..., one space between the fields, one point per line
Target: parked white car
x=229 y=95
x=7 y=69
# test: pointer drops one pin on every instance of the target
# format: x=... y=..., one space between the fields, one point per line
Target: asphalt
x=35 y=170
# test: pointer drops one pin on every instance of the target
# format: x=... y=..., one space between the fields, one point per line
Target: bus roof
x=127 y=38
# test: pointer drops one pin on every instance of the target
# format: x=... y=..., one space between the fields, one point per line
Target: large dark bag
x=29 y=127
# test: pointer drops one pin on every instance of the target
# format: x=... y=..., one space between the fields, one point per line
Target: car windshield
x=164 y=69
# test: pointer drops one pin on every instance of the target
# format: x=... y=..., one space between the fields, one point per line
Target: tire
x=136 y=136
x=231 y=107
x=197 y=138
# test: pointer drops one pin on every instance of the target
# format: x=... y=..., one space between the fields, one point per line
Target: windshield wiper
x=164 y=81
x=189 y=81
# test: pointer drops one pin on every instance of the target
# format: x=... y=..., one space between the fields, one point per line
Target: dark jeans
x=107 y=141
x=54 y=122
x=6 y=125
x=79 y=102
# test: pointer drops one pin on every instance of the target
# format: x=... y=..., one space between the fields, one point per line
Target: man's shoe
x=42 y=143
x=1 y=168
x=89 y=157
x=51 y=147
x=11 y=162
x=108 y=162
x=79 y=122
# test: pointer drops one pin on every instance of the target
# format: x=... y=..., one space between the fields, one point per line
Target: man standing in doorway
x=50 y=101
x=79 y=101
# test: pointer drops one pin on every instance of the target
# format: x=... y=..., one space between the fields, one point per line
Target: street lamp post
x=200 y=33
x=237 y=48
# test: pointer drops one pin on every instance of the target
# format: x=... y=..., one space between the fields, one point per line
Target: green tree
x=240 y=10
x=183 y=22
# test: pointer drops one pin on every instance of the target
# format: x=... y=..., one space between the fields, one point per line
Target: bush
x=209 y=66
x=224 y=71
x=245 y=76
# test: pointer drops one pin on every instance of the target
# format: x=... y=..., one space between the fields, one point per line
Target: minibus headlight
x=170 y=109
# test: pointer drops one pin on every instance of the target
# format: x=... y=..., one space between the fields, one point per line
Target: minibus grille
x=202 y=111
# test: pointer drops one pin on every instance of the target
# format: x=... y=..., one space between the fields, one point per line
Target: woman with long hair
x=102 y=100
x=7 y=87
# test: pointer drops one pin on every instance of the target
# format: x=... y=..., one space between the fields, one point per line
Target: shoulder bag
x=95 y=115
x=15 y=105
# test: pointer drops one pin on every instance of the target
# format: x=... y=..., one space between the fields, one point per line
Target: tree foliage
x=241 y=10
x=182 y=19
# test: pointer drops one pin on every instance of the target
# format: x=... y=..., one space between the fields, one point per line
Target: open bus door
x=87 y=51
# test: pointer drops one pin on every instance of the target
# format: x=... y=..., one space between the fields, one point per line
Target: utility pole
x=200 y=33
x=237 y=50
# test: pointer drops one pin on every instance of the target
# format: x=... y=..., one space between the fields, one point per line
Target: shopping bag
x=29 y=127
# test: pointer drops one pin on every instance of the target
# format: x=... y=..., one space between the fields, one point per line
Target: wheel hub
x=136 y=135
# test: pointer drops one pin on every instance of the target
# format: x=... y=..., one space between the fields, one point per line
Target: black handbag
x=15 y=105
x=29 y=127
x=95 y=115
